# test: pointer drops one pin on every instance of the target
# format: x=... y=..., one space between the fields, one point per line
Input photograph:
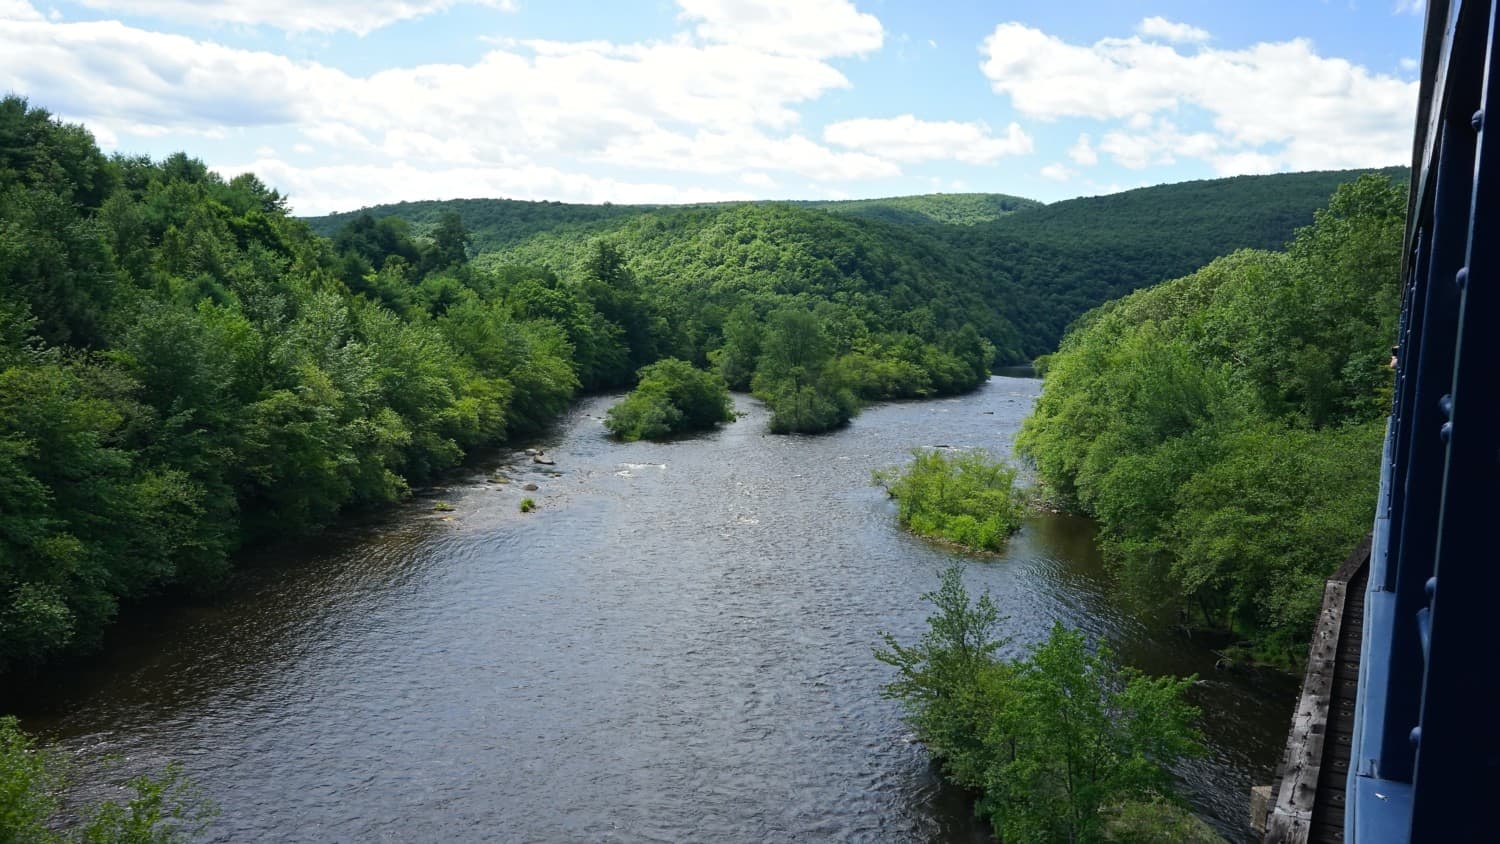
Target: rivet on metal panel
x=1477 y=121
x=1462 y=278
x=1445 y=404
x=1416 y=736
x=1431 y=588
x=1446 y=432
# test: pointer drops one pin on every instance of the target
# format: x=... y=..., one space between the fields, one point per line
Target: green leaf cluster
x=1063 y=744
x=1225 y=428
x=163 y=810
x=671 y=397
x=184 y=369
x=963 y=497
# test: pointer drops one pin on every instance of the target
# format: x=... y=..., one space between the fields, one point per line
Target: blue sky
x=346 y=103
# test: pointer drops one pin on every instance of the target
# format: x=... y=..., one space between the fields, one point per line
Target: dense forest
x=1039 y=266
x=1224 y=428
x=1065 y=258
x=186 y=368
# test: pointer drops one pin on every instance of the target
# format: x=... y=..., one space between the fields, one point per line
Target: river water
x=675 y=646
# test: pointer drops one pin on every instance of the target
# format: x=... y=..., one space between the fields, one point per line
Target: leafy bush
x=164 y=810
x=1056 y=741
x=1225 y=428
x=965 y=498
x=527 y=505
x=672 y=397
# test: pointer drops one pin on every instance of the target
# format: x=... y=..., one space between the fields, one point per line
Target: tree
x=164 y=810
x=1062 y=742
x=671 y=397
x=450 y=241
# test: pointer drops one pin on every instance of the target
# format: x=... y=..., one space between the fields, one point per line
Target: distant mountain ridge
x=1047 y=263
x=500 y=223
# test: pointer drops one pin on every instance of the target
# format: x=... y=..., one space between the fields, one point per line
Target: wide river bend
x=675 y=646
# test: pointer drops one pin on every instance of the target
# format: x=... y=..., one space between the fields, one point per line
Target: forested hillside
x=1065 y=258
x=1040 y=266
x=493 y=224
x=184 y=368
x=497 y=224
x=957 y=209
x=1224 y=428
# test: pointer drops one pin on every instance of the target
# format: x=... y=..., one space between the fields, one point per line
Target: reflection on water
x=675 y=646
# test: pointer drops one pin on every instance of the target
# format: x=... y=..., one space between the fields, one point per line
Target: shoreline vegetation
x=1224 y=429
x=163 y=809
x=187 y=370
x=1062 y=743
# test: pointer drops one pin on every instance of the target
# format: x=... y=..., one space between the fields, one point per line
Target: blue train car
x=1397 y=733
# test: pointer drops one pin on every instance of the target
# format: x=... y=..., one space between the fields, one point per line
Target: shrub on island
x=965 y=497
x=671 y=398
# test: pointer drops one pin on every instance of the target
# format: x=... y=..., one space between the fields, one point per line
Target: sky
x=348 y=103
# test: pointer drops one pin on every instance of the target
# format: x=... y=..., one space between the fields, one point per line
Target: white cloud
x=677 y=106
x=1160 y=28
x=1057 y=172
x=720 y=153
x=18 y=10
x=907 y=139
x=1280 y=100
x=1411 y=7
x=1158 y=142
x=815 y=28
x=1409 y=64
x=1082 y=152
x=358 y=16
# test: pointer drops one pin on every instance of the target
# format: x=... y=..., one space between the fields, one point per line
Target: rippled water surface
x=676 y=646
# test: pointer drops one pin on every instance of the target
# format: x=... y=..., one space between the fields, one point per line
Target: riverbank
x=678 y=641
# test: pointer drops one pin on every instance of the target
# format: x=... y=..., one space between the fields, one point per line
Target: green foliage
x=163 y=809
x=1154 y=821
x=892 y=318
x=956 y=209
x=184 y=369
x=1225 y=427
x=1052 y=264
x=1057 y=741
x=672 y=397
x=527 y=505
x=965 y=498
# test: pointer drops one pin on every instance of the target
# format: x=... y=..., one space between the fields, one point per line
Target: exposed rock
x=543 y=459
x=530 y=487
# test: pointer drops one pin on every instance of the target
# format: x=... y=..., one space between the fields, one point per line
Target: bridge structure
x=1396 y=736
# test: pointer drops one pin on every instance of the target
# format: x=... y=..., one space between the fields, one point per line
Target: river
x=675 y=646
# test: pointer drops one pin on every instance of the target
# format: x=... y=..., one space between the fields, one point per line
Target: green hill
x=713 y=257
x=954 y=209
x=1032 y=265
x=1065 y=258
x=501 y=223
x=493 y=223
